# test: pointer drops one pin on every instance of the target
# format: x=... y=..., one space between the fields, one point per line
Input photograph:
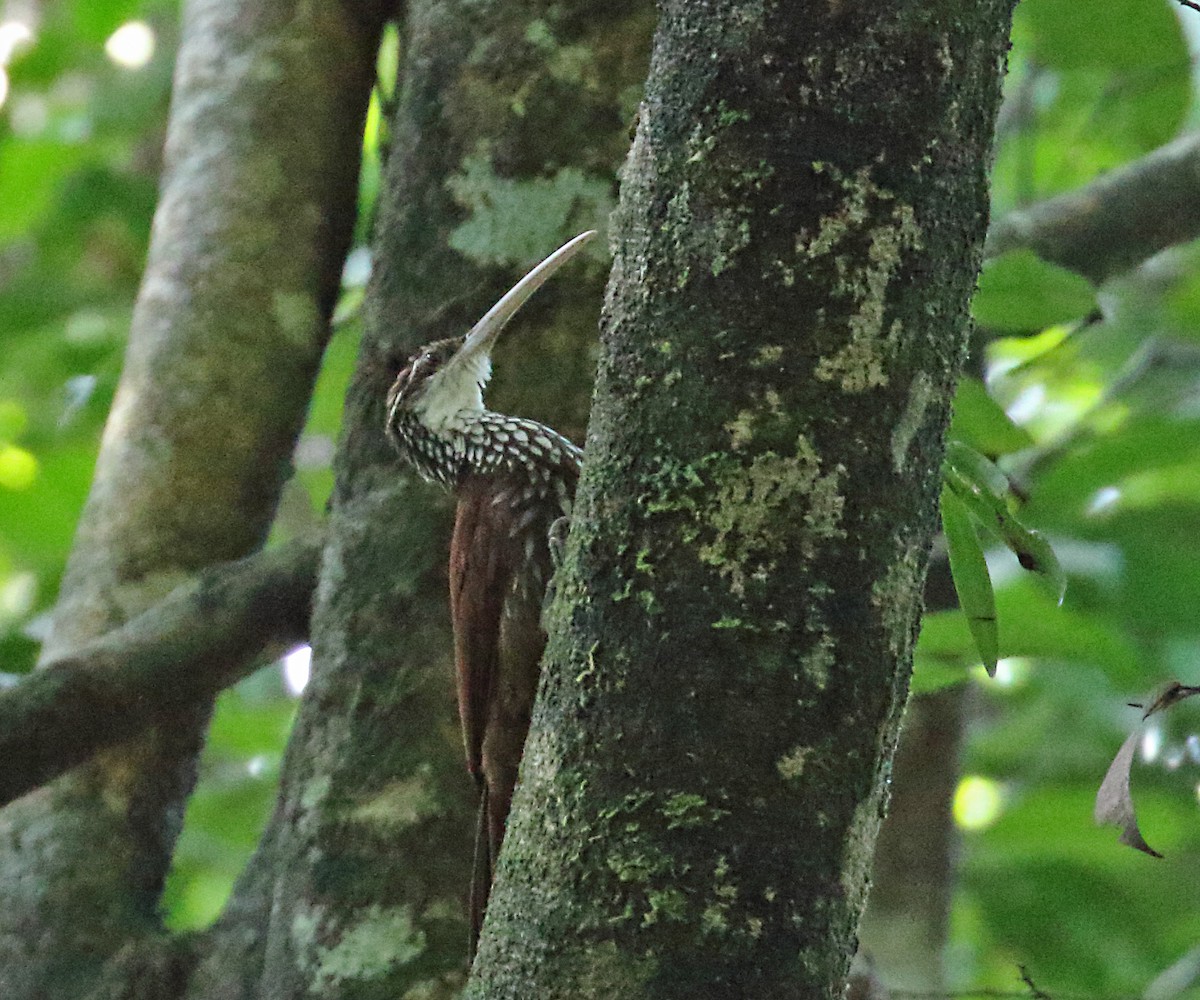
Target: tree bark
x=732 y=451
x=255 y=214
x=801 y=222
x=508 y=132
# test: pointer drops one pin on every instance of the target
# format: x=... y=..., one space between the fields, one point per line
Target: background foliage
x=1101 y=441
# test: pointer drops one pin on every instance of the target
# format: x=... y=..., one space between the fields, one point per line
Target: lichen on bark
x=369 y=854
x=800 y=225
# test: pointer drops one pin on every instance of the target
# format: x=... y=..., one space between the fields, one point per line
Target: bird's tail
x=481 y=873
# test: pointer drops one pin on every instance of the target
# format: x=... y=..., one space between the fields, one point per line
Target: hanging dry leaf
x=1114 y=804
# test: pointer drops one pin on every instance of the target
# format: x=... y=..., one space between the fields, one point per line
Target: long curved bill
x=483 y=334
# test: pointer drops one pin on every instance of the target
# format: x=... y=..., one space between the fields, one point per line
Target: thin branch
x=1117 y=221
x=1189 y=3
x=203 y=637
x=1034 y=990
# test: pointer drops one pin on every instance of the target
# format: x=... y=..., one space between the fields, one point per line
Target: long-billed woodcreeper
x=513 y=479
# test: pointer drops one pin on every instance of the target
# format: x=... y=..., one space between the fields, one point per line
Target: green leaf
x=971 y=579
x=1035 y=554
x=1034 y=626
x=98 y=19
x=1136 y=455
x=983 y=489
x=13 y=420
x=31 y=173
x=1120 y=35
x=1020 y=292
x=967 y=470
x=242 y=728
x=981 y=422
x=1092 y=88
x=329 y=395
x=930 y=675
x=1177 y=979
x=1160 y=585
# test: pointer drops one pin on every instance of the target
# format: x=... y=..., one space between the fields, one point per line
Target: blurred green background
x=1102 y=388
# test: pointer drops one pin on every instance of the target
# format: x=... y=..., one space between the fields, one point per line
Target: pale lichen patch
x=850 y=214
x=730 y=235
x=667 y=904
x=859 y=364
x=679 y=208
x=511 y=221
x=791 y=765
x=766 y=355
x=920 y=394
x=720 y=233
x=685 y=810
x=860 y=848
x=715 y=918
x=398 y=804
x=639 y=862
x=945 y=57
x=603 y=970
x=759 y=510
x=818 y=662
x=741 y=428
x=380 y=941
x=306 y=925
x=314 y=792
x=897 y=596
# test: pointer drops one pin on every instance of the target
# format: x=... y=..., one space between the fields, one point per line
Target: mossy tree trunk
x=799 y=231
x=511 y=122
x=798 y=236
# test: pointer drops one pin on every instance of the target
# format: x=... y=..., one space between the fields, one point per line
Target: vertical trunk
x=797 y=242
x=906 y=923
x=508 y=132
x=256 y=211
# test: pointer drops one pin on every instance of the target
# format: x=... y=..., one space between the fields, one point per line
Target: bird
x=514 y=482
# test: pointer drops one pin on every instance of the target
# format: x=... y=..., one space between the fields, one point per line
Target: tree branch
x=205 y=636
x=1117 y=221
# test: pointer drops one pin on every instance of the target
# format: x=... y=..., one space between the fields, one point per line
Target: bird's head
x=423 y=389
x=443 y=382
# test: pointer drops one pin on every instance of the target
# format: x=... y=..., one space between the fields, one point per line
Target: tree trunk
x=230 y=324
x=798 y=235
x=800 y=227
x=907 y=920
x=508 y=133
